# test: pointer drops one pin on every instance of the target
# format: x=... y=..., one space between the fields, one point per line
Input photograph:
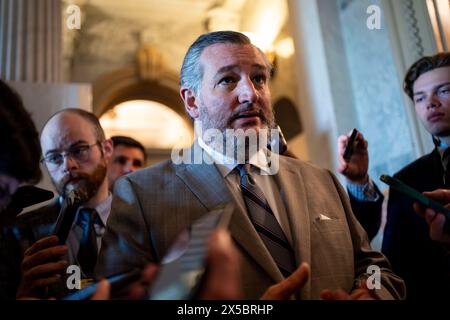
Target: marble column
x=30 y=40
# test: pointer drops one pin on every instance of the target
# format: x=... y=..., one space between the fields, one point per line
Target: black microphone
x=69 y=208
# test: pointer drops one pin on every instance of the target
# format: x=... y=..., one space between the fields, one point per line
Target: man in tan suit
x=287 y=211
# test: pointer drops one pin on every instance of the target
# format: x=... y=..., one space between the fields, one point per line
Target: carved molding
x=150 y=63
x=415 y=41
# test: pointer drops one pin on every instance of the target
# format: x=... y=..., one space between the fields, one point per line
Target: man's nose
x=433 y=102
x=247 y=91
x=69 y=163
x=128 y=167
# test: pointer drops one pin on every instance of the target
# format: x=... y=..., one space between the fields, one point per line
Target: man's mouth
x=435 y=116
x=246 y=115
x=71 y=183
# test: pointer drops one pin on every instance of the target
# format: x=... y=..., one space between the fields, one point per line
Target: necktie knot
x=87 y=216
x=245 y=173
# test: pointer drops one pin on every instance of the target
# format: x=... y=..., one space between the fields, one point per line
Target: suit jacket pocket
x=326 y=226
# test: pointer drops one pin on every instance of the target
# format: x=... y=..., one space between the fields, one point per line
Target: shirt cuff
x=363 y=192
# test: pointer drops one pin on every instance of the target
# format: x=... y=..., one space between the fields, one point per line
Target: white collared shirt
x=264 y=179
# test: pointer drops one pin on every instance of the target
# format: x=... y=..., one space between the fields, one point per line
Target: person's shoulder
x=419 y=165
x=308 y=171
x=155 y=175
x=298 y=164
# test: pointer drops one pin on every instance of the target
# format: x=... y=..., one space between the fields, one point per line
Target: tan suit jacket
x=152 y=206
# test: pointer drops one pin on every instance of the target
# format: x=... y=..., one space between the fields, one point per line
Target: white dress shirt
x=263 y=178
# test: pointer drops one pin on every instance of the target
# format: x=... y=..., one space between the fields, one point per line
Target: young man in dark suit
x=421 y=261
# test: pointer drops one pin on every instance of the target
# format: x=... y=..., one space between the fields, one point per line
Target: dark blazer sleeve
x=368 y=213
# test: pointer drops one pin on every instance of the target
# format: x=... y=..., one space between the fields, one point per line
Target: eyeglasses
x=79 y=153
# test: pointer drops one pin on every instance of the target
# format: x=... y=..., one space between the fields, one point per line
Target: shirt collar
x=227 y=164
x=103 y=209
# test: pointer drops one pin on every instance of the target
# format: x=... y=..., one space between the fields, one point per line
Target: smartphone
x=67 y=215
x=416 y=195
x=182 y=269
x=117 y=282
x=351 y=144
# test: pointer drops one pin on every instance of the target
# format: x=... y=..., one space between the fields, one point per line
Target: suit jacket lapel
x=293 y=194
x=206 y=182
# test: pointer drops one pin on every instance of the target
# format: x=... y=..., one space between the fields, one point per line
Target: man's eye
x=227 y=80
x=79 y=151
x=137 y=163
x=261 y=79
x=121 y=160
x=53 y=158
x=444 y=91
x=419 y=99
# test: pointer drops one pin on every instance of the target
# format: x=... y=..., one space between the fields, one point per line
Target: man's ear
x=190 y=102
x=108 y=148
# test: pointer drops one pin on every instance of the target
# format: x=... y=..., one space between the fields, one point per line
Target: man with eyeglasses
x=128 y=156
x=76 y=155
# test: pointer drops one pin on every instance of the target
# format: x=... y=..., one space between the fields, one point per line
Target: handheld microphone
x=66 y=216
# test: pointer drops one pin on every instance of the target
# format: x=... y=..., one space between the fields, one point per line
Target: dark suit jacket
x=152 y=206
x=423 y=264
x=14 y=240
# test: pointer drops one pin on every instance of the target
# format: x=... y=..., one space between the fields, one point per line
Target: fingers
x=363 y=293
x=42 y=265
x=53 y=268
x=139 y=290
x=338 y=294
x=435 y=220
x=343 y=166
x=286 y=288
x=222 y=280
x=103 y=291
x=420 y=209
x=41 y=244
x=441 y=195
x=44 y=282
x=43 y=256
x=436 y=223
x=342 y=143
x=430 y=215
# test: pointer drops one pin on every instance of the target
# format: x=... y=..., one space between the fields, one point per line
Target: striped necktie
x=266 y=223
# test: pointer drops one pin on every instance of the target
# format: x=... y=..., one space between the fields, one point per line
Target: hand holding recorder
x=353 y=157
x=429 y=206
x=436 y=221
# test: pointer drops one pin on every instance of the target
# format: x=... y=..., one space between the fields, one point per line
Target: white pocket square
x=323 y=217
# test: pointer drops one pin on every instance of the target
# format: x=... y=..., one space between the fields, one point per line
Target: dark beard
x=87 y=185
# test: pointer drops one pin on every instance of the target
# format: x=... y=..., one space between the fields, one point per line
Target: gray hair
x=191 y=71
